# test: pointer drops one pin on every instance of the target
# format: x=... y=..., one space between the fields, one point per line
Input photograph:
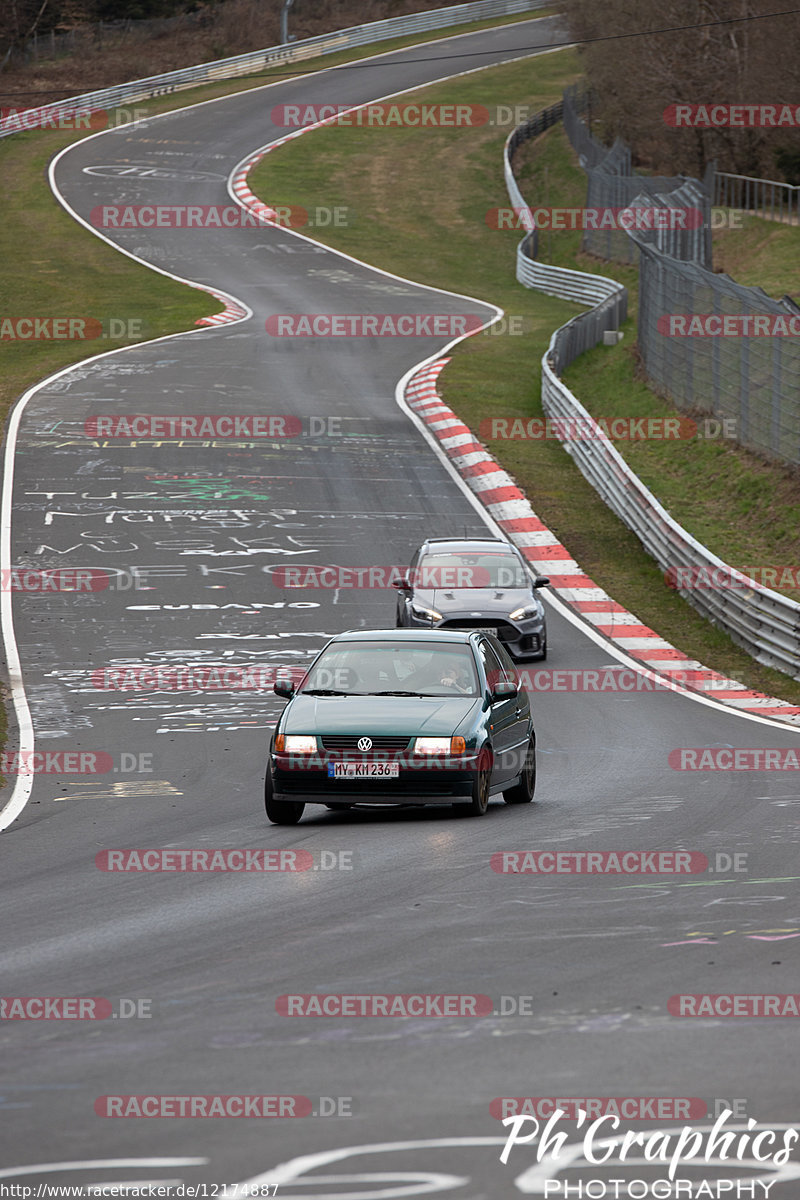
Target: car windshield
x=492 y=569
x=386 y=668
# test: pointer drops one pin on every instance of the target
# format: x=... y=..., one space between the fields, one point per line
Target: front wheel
x=522 y=792
x=280 y=812
x=480 y=788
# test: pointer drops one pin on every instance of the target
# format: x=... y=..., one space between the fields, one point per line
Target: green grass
x=419 y=202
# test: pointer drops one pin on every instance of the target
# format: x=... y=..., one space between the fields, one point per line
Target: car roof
x=476 y=544
x=459 y=636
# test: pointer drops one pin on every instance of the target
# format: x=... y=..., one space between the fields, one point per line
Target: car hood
x=359 y=715
x=500 y=601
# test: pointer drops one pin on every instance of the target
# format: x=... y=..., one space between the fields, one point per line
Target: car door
x=523 y=722
x=503 y=717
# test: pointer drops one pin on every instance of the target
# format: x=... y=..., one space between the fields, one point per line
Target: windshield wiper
x=429 y=695
x=329 y=692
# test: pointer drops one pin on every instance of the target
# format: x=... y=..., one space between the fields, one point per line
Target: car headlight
x=425 y=614
x=439 y=745
x=295 y=743
x=524 y=613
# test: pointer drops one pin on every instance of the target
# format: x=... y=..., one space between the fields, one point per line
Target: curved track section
x=412 y=904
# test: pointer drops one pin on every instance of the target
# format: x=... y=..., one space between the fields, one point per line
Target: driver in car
x=455 y=678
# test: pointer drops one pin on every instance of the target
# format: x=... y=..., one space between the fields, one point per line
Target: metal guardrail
x=765 y=623
x=587 y=329
x=762 y=621
x=769 y=198
x=256 y=60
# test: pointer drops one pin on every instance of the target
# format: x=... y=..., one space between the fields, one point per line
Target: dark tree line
x=635 y=79
x=21 y=20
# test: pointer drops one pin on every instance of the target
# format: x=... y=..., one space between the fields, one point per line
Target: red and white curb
x=233 y=311
x=249 y=200
x=509 y=507
x=238 y=186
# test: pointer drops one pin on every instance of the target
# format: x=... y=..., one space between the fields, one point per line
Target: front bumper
x=519 y=638
x=420 y=780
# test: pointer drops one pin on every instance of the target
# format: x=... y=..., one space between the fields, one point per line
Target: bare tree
x=712 y=52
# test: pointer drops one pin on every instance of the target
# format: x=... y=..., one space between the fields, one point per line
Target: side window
x=507 y=664
x=491 y=663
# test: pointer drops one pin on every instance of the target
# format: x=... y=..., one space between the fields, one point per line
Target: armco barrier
x=256 y=60
x=762 y=621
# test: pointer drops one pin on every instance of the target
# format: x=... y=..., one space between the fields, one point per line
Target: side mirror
x=401 y=581
x=503 y=689
x=285 y=688
x=542 y=581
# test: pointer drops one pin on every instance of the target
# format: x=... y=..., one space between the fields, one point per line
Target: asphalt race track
x=409 y=903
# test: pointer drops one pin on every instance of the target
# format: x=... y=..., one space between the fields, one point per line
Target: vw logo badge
x=365 y=743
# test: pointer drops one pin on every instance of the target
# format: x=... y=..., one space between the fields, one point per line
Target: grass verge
x=421 y=200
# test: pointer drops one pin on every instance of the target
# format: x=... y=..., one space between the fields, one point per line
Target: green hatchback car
x=403 y=717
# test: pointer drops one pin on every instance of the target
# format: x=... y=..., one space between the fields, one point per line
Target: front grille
x=349 y=741
x=498 y=625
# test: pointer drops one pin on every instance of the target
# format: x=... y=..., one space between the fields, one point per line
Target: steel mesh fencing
x=612 y=185
x=728 y=362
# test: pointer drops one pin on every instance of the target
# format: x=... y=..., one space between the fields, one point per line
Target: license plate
x=365 y=770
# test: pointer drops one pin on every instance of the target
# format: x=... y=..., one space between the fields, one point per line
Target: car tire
x=522 y=792
x=480 y=788
x=280 y=812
